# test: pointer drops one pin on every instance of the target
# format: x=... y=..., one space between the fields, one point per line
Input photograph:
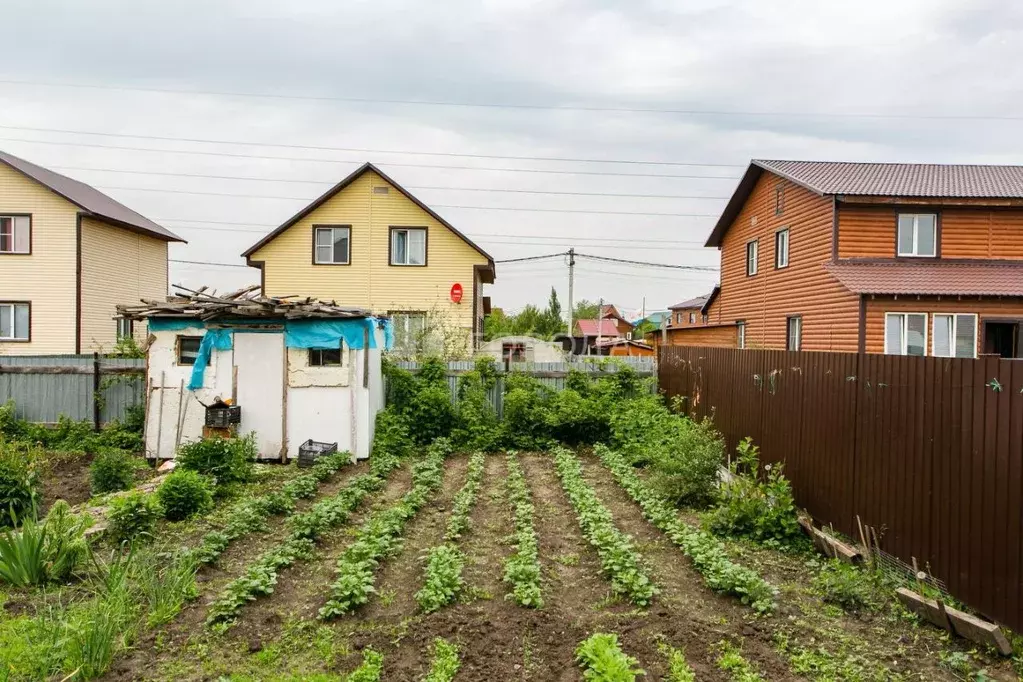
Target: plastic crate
x=223 y=417
x=310 y=450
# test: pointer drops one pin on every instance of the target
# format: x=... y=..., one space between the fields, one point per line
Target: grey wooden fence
x=552 y=374
x=46 y=387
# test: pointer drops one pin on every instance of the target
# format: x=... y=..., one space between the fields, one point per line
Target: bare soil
x=66 y=478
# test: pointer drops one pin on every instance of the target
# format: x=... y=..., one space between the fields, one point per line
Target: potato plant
x=706 y=552
x=444 y=563
x=380 y=537
x=601 y=659
x=522 y=568
x=619 y=560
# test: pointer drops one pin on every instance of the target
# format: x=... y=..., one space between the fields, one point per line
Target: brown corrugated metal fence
x=927 y=449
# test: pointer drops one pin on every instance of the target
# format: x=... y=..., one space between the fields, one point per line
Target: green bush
x=184 y=494
x=526 y=411
x=477 y=427
x=847 y=586
x=423 y=399
x=227 y=460
x=112 y=470
x=19 y=481
x=133 y=517
x=761 y=509
x=47 y=551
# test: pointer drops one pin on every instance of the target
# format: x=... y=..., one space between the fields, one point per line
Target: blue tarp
x=330 y=333
x=213 y=338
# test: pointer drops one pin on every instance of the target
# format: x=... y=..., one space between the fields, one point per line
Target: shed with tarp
x=291 y=370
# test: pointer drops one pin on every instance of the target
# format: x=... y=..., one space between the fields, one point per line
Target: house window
x=15 y=234
x=678 y=318
x=918 y=235
x=513 y=352
x=781 y=248
x=692 y=318
x=794 y=333
x=408 y=246
x=409 y=331
x=14 y=322
x=125 y=328
x=779 y=200
x=751 y=257
x=324 y=357
x=954 y=336
x=188 y=349
x=905 y=333
x=705 y=318
x=740 y=328
x=332 y=245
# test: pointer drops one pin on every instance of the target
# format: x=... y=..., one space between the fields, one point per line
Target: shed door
x=259 y=361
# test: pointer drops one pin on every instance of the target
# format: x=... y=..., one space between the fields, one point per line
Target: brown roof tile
x=691 y=303
x=997 y=278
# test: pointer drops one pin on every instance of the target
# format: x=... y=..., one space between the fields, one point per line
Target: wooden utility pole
x=571 y=288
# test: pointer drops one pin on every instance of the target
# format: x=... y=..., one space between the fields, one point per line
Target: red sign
x=456 y=292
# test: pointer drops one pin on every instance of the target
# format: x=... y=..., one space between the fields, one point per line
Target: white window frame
x=905 y=318
x=799 y=332
x=406 y=339
x=916 y=235
x=12 y=310
x=125 y=328
x=408 y=232
x=331 y=229
x=752 y=257
x=692 y=318
x=741 y=333
x=954 y=328
x=27 y=226
x=779 y=236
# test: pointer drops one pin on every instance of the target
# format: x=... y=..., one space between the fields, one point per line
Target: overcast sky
x=899 y=80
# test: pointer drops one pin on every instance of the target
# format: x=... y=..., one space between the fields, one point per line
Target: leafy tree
x=586 y=310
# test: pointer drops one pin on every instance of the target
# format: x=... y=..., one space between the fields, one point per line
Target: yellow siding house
x=68 y=255
x=369 y=243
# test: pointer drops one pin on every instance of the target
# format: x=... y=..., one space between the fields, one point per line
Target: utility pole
x=571 y=287
x=600 y=322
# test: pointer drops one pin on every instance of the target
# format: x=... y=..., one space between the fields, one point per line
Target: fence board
x=927 y=450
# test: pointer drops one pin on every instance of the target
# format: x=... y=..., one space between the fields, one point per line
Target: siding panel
x=986 y=308
x=866 y=231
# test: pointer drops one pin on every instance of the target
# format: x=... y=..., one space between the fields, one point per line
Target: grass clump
x=846 y=586
x=50 y=551
x=602 y=660
x=739 y=669
x=184 y=494
x=19 y=481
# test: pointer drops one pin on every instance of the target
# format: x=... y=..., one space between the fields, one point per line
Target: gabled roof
x=89 y=199
x=691 y=303
x=838 y=178
x=918 y=278
x=589 y=327
x=355 y=175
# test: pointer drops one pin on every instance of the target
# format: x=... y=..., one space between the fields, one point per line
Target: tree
x=586 y=310
x=551 y=323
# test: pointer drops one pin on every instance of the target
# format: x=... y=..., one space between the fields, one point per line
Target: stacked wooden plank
x=206 y=304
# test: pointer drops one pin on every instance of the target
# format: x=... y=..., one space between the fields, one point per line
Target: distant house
x=622 y=347
x=522 y=349
x=585 y=334
x=368 y=242
x=688 y=313
x=69 y=254
x=610 y=312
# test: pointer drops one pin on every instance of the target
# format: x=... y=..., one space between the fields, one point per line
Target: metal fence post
x=96 y=407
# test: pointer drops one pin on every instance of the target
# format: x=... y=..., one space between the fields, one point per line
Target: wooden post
x=95 y=392
x=284 y=406
x=365 y=358
x=159 y=416
x=180 y=420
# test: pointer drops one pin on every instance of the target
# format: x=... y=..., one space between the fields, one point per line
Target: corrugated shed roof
x=589 y=327
x=932 y=180
x=931 y=279
x=691 y=303
x=89 y=198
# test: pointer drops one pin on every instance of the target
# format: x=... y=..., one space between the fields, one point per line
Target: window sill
x=29 y=340
x=408 y=265
x=348 y=263
x=15 y=253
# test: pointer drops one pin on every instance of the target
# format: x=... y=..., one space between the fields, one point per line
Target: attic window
x=381 y=190
x=779 y=200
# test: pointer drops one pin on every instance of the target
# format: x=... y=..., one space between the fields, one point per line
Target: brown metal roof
x=993 y=278
x=89 y=199
x=697 y=302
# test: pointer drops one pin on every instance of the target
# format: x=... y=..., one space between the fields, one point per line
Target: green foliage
x=849 y=587
x=476 y=426
x=133 y=517
x=23 y=554
x=72 y=436
x=227 y=460
x=19 y=478
x=586 y=310
x=683 y=455
x=184 y=494
x=603 y=660
x=705 y=551
x=738 y=668
x=422 y=399
x=530 y=321
x=465 y=499
x=760 y=508
x=444 y=564
x=112 y=470
x=618 y=558
x=444 y=663
x=165 y=586
x=522 y=568
x=66 y=548
x=526 y=410
x=678 y=666
x=370 y=670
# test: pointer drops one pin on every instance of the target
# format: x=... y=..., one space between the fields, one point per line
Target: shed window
x=14 y=322
x=740 y=328
x=954 y=336
x=794 y=335
x=324 y=357
x=752 y=249
x=781 y=248
x=188 y=349
x=15 y=234
x=332 y=245
x=918 y=235
x=905 y=333
x=408 y=246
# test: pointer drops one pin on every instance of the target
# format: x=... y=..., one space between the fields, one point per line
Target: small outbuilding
x=290 y=370
x=522 y=349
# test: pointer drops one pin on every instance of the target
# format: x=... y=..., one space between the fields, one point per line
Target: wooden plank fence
x=927 y=450
x=46 y=387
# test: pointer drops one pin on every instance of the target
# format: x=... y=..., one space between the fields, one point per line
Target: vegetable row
x=522 y=568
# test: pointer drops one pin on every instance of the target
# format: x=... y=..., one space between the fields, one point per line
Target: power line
x=235 y=155
x=508 y=105
x=415 y=187
x=698 y=268
x=363 y=150
x=203 y=262
x=519 y=260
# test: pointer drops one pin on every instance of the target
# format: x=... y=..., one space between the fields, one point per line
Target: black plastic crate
x=311 y=449
x=223 y=417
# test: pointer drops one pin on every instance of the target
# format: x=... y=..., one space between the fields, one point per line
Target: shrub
x=19 y=482
x=112 y=470
x=526 y=409
x=184 y=494
x=847 y=586
x=761 y=510
x=577 y=419
x=133 y=516
x=227 y=460
x=477 y=427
